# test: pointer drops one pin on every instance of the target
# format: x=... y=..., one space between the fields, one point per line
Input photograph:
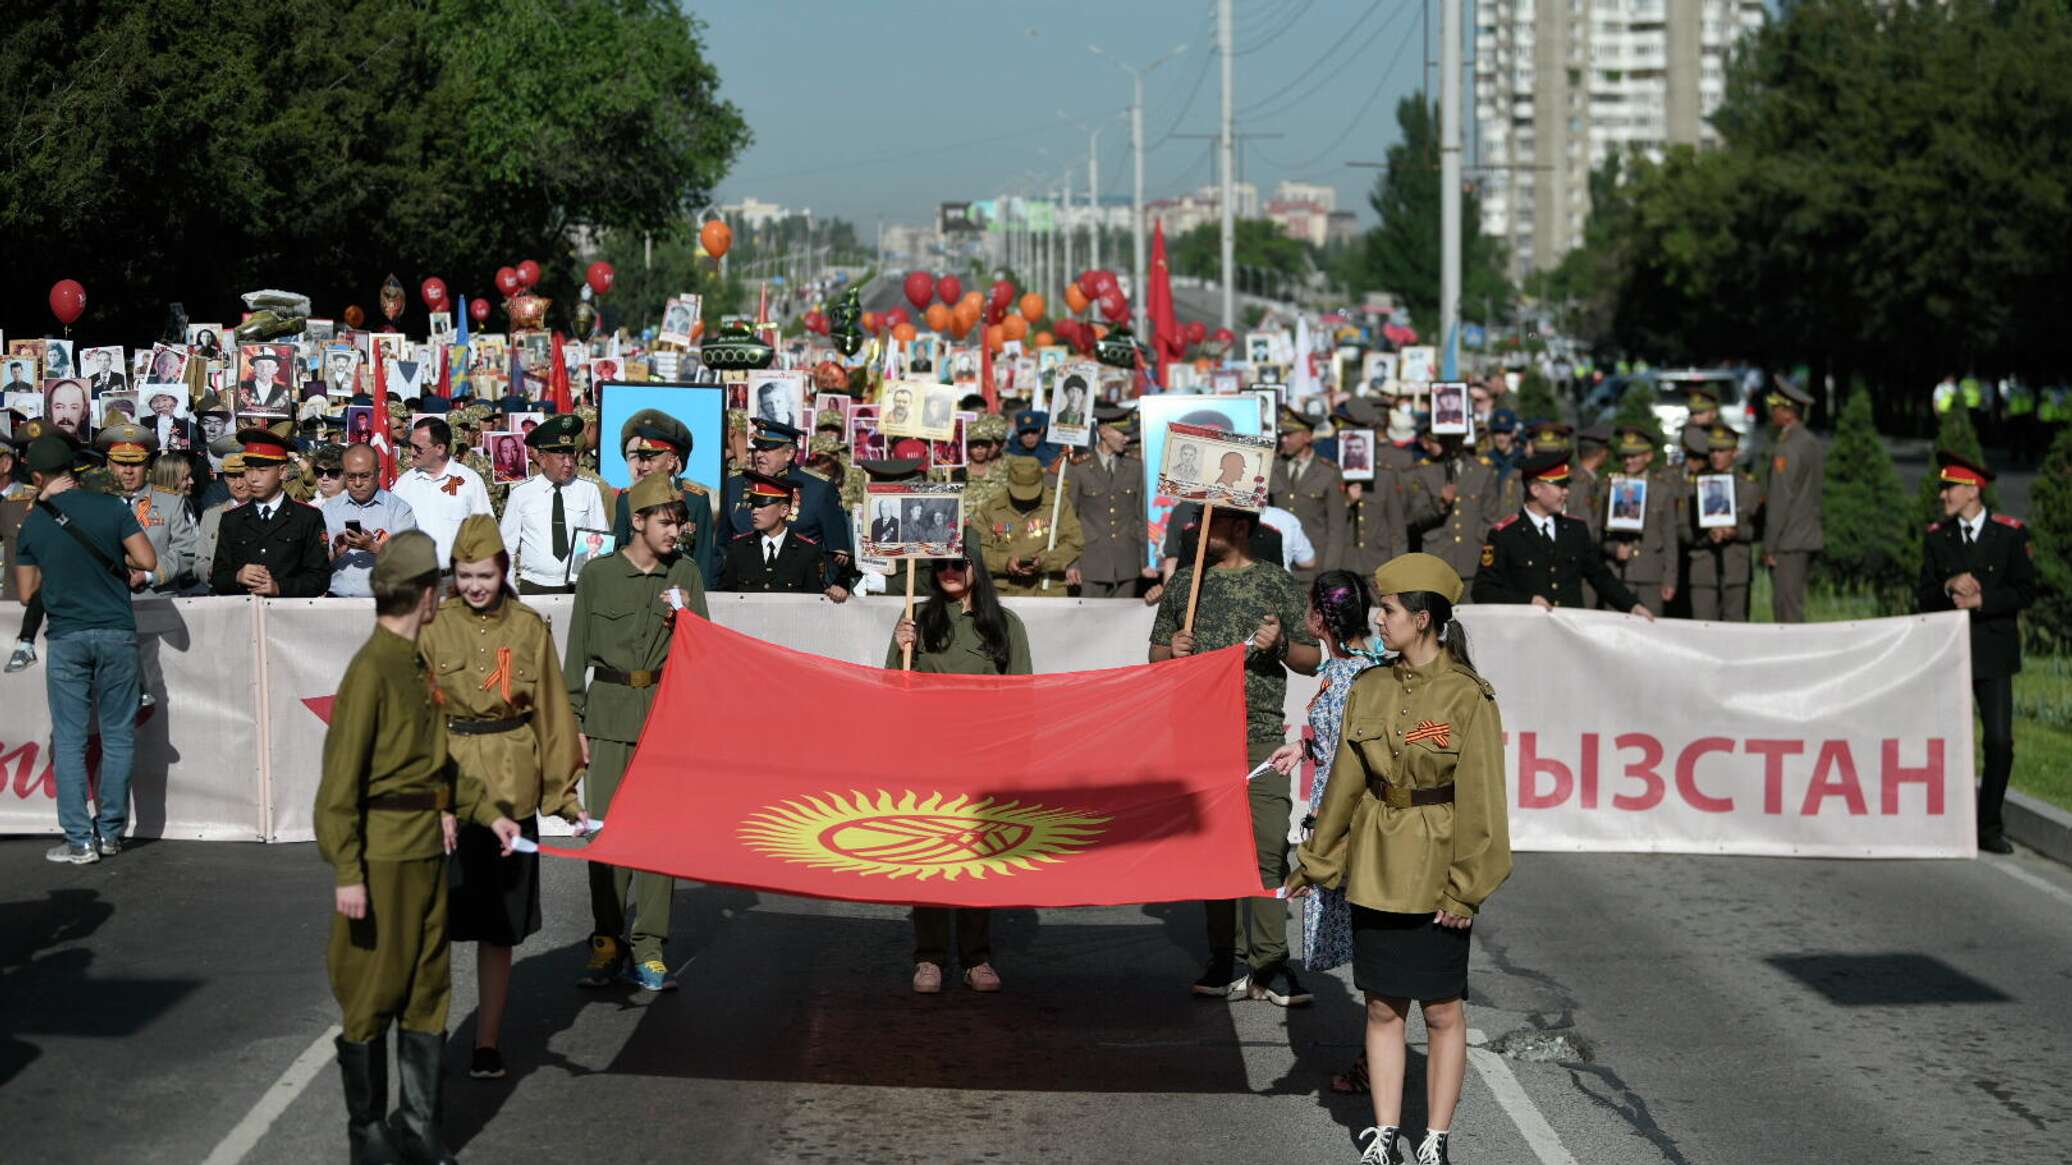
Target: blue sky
x=882 y=108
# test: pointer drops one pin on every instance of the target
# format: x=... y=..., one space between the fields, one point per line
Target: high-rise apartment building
x=1562 y=84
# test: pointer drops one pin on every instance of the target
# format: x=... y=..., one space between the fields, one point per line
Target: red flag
x=445 y=388
x=557 y=377
x=1158 y=305
x=940 y=790
x=985 y=372
x=384 y=447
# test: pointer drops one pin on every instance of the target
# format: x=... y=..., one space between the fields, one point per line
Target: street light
x=1137 y=75
x=1093 y=180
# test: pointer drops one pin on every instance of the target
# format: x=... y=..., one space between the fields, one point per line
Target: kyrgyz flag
x=767 y=767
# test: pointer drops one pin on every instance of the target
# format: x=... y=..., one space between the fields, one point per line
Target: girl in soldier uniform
x=1412 y=828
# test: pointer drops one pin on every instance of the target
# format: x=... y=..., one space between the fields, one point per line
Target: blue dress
x=1327 y=928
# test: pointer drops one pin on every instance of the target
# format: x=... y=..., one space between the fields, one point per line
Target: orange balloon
x=1100 y=331
x=1076 y=299
x=973 y=298
x=904 y=333
x=870 y=321
x=1045 y=339
x=966 y=315
x=1014 y=327
x=716 y=237
x=1032 y=307
x=697 y=329
x=996 y=337
x=938 y=317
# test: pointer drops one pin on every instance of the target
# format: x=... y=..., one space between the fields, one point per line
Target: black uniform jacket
x=293 y=546
x=2000 y=561
x=1518 y=563
x=797 y=570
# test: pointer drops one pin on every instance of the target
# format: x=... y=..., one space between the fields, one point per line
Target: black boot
x=420 y=1081
x=364 y=1068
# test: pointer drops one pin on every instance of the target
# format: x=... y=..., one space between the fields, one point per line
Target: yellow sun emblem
x=915 y=837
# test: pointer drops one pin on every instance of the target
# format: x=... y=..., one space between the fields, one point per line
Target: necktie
x=1547 y=529
x=769 y=554
x=1970 y=535
x=560 y=525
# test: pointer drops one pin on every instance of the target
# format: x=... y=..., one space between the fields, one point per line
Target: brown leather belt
x=1399 y=797
x=488 y=727
x=631 y=679
x=441 y=800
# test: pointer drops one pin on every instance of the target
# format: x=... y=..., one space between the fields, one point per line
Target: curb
x=2039 y=825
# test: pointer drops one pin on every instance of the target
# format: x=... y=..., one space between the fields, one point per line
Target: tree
x=1259 y=244
x=639 y=290
x=1536 y=400
x=1955 y=435
x=1402 y=254
x=1637 y=410
x=1871 y=546
x=176 y=150
x=2050 y=503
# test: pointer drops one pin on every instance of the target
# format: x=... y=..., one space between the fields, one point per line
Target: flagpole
x=906 y=653
x=1201 y=553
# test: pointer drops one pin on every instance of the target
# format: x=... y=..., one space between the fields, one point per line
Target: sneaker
x=76 y=855
x=1222 y=980
x=109 y=846
x=927 y=979
x=605 y=958
x=982 y=979
x=1279 y=986
x=1433 y=1150
x=488 y=1064
x=652 y=975
x=1381 y=1149
x=24 y=655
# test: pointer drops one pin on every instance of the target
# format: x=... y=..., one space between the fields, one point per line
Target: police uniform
x=654 y=431
x=1651 y=559
x=386 y=780
x=1791 y=507
x=174 y=536
x=1717 y=571
x=1995 y=550
x=1453 y=531
x=1016 y=524
x=816 y=508
x=541 y=517
x=291 y=544
x=1520 y=562
x=1108 y=496
x=751 y=563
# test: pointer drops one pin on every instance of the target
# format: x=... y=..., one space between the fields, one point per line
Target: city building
x=1303 y=211
x=1560 y=85
x=1189 y=211
x=754 y=213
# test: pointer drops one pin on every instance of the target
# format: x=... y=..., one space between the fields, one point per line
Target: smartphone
x=352 y=526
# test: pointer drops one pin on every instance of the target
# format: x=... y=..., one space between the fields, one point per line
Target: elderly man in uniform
x=1541 y=556
x=1646 y=559
x=1719 y=560
x=272 y=546
x=816 y=512
x=1451 y=502
x=655 y=442
x=236 y=492
x=1791 y=508
x=163 y=515
x=543 y=512
x=771 y=558
x=1310 y=488
x=1982 y=563
x=1107 y=492
x=1015 y=531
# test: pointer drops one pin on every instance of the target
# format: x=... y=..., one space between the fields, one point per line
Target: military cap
x=267 y=354
x=233 y=464
x=653 y=490
x=773 y=434
x=1029 y=421
x=1722 y=438
x=1503 y=421
x=1633 y=440
x=1550 y=467
x=511 y=402
x=1411 y=573
x=1550 y=435
x=557 y=434
x=263 y=446
x=407 y=555
x=434 y=404
x=211 y=406
x=1024 y=478
x=363 y=399
x=588 y=413
x=36 y=427
x=737 y=420
x=1699 y=400
x=1595 y=435
x=891 y=469
x=50 y=454
x=832 y=420
x=988 y=427
x=826 y=443
x=762 y=489
x=1115 y=415
x=477 y=539
x=904 y=447
x=1790 y=395
x=656 y=430
x=1362 y=412
x=127 y=443
x=1294 y=422
x=1952 y=469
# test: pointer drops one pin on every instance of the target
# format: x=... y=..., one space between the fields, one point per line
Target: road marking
x=2019 y=874
x=1539 y=1136
x=275 y=1101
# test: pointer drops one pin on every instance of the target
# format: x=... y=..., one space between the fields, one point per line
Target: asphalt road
x=1715 y=1009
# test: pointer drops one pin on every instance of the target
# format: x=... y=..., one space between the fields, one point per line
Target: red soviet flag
x=1083 y=789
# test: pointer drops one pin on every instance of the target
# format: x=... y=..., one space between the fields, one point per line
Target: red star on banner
x=321 y=705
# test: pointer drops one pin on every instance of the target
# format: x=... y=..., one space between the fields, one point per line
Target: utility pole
x=1223 y=39
x=1449 y=186
x=1093 y=190
x=1065 y=196
x=1139 y=277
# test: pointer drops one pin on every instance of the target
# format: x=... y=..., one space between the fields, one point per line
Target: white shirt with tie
x=1970 y=528
x=773 y=545
x=1544 y=523
x=528 y=525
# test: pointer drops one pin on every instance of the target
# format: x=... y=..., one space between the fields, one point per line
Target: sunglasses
x=323 y=472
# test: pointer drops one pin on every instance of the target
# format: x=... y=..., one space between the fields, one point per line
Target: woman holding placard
x=1412 y=828
x=961 y=629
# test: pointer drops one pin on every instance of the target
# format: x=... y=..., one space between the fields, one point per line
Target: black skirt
x=492 y=898
x=1408 y=956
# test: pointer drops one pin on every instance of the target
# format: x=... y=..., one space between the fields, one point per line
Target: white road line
x=2008 y=867
x=245 y=1137
x=1539 y=1136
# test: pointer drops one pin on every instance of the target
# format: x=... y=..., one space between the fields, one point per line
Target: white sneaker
x=72 y=855
x=24 y=655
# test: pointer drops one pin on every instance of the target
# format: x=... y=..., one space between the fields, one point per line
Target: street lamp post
x=1140 y=278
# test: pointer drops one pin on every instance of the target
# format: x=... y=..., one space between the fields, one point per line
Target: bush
x=2050 y=530
x=1956 y=436
x=1536 y=400
x=1872 y=546
x=1637 y=409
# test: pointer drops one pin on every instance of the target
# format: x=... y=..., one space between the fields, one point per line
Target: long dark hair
x=987 y=616
x=1451 y=635
x=1342 y=601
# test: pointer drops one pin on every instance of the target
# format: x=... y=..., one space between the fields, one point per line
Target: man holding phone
x=359 y=521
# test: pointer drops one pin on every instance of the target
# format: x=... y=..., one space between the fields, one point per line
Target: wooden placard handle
x=1201 y=554
x=906 y=653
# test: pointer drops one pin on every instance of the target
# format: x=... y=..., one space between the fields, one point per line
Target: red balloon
x=1225 y=336
x=1088 y=285
x=600 y=276
x=920 y=288
x=479 y=310
x=1114 y=308
x=1104 y=282
x=67 y=300
x=896 y=317
x=434 y=292
x=1002 y=295
x=507 y=281
x=815 y=322
x=950 y=289
x=529 y=273
x=1196 y=331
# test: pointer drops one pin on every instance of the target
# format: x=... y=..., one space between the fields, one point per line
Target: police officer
x=1310 y=488
x=1106 y=490
x=1981 y=562
x=771 y=558
x=1791 y=507
x=655 y=442
x=1541 y=556
x=1015 y=529
x=1719 y=560
x=1645 y=559
x=1451 y=501
x=816 y=507
x=272 y=546
x=543 y=512
x=163 y=515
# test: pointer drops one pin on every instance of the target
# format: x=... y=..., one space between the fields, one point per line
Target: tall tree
x=1260 y=245
x=1401 y=256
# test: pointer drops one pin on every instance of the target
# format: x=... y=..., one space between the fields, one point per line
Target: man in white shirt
x=440 y=491
x=543 y=512
x=1297 y=551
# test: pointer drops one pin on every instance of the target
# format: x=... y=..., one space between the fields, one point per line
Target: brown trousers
x=394 y=963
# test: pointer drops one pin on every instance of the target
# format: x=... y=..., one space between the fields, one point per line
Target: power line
x=1387 y=74
x=1321 y=73
x=1187 y=107
x=1301 y=7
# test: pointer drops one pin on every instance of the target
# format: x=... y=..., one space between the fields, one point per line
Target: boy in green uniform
x=626 y=603
x=384 y=821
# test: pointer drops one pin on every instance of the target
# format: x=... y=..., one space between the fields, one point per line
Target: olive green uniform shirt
x=965 y=653
x=620 y=623
x=386 y=737
x=1007 y=532
x=497 y=666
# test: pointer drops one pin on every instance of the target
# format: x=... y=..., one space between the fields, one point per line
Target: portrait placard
x=1451 y=412
x=866 y=443
x=21 y=374
x=1417 y=365
x=1716 y=501
x=950 y=454
x=678 y=316
x=103 y=368
x=206 y=341
x=917 y=408
x=440 y=327
x=26 y=404
x=1356 y=454
x=114 y=407
x=832 y=407
x=1376 y=370
x=701 y=408
x=341 y=370
x=1628 y=505
x=777 y=396
x=68 y=405
x=584 y=545
x=1071 y=400
x=506 y=452
x=359 y=424
x=913 y=520
x=1202 y=464
x=264 y=373
x=163 y=400
x=57 y=360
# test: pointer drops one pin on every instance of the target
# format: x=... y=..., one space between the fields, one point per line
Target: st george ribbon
x=774 y=769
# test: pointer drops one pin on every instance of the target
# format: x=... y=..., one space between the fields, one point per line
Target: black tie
x=769 y=554
x=1969 y=536
x=560 y=526
x=1548 y=530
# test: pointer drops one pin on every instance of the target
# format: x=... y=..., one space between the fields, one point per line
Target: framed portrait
x=1451 y=412
x=701 y=408
x=439 y=329
x=964 y=366
x=359 y=424
x=1050 y=358
x=103 y=368
x=1356 y=454
x=207 y=340
x=1223 y=381
x=1417 y=364
x=321 y=332
x=950 y=454
x=921 y=354
x=918 y=408
x=58 y=363
x=114 y=407
x=777 y=396
x=341 y=370
x=26 y=404
x=1259 y=348
x=913 y=520
x=393 y=346
x=1627 y=507
x=1071 y=404
x=168 y=364
x=585 y=544
x=21 y=374
x=1376 y=370
x=1157 y=413
x=1203 y=464
x=68 y=405
x=1716 y=501
x=678 y=314
x=535 y=347
x=506 y=453
x=832 y=404
x=866 y=443
x=163 y=400
x=265 y=385
x=1183 y=377
x=492 y=352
